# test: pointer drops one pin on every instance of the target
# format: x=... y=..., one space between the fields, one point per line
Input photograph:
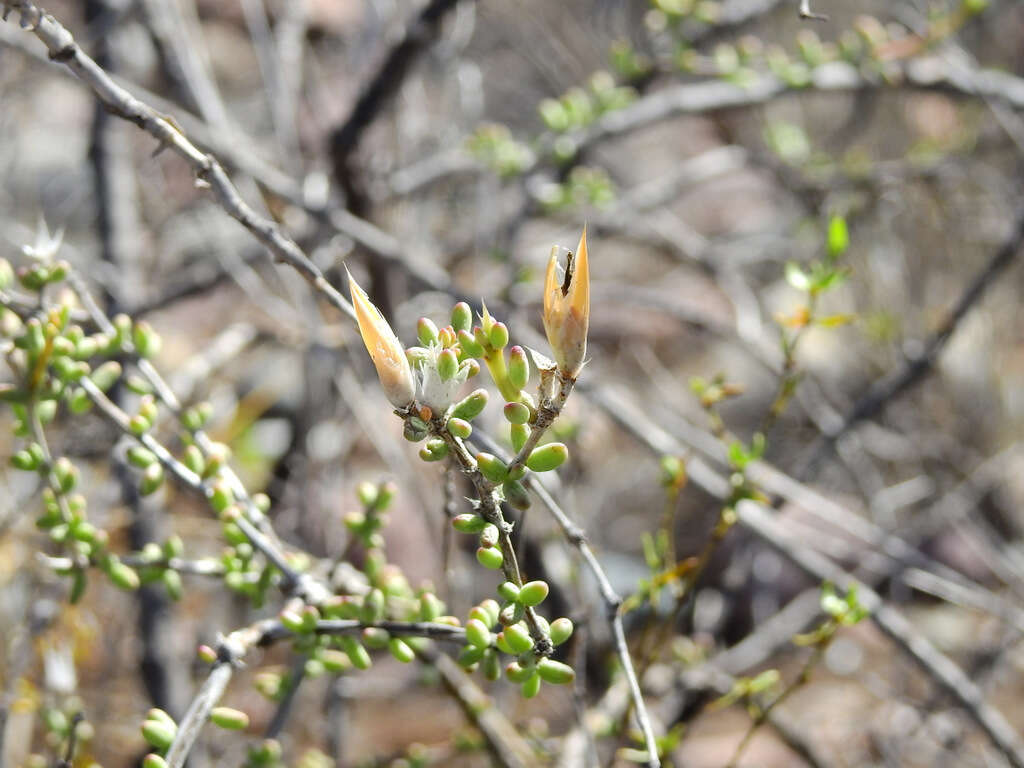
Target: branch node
x=64 y=55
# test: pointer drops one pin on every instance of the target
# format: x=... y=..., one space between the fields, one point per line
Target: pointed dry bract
x=385 y=349
x=567 y=308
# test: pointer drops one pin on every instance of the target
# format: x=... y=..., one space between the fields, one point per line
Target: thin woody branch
x=63 y=49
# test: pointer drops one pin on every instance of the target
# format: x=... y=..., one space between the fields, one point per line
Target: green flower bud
x=147 y=342
x=373 y=606
x=196 y=417
x=46 y=411
x=366 y=492
x=434 y=450
x=385 y=494
x=481 y=338
x=490 y=557
x=228 y=718
x=531 y=687
x=33 y=278
x=139 y=424
x=292 y=621
x=356 y=653
x=519 y=434
x=376 y=638
x=491 y=467
x=268 y=753
x=172 y=583
x=470 y=655
x=56 y=722
x=547 y=457
x=354 y=521
x=161 y=716
x=498 y=336
x=401 y=650
x=560 y=630
x=216 y=457
x=471 y=406
x=334 y=661
x=555 y=672
x=122 y=576
x=138 y=385
x=460 y=428
x=462 y=316
x=159 y=733
x=79 y=402
x=25 y=461
x=426 y=331
x=221 y=496
x=206 y=654
x=518 y=638
x=193 y=459
x=533 y=593
x=430 y=606
x=153 y=760
x=468 y=523
x=86 y=348
x=492 y=665
x=492 y=609
x=63 y=367
x=106 y=375
x=469 y=345
x=173 y=547
x=148 y=408
x=508 y=591
x=515 y=494
x=83 y=531
x=58 y=271
x=516 y=413
x=502 y=645
x=269 y=684
x=477 y=633
x=518 y=367
x=517 y=673
x=140 y=457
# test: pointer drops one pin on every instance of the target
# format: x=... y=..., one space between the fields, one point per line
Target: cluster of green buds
x=367 y=523
x=50 y=356
x=579 y=107
x=584 y=186
x=266 y=754
x=245 y=572
x=155 y=564
x=329 y=654
x=65 y=727
x=388 y=596
x=423 y=383
x=528 y=669
x=159 y=730
x=494 y=145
